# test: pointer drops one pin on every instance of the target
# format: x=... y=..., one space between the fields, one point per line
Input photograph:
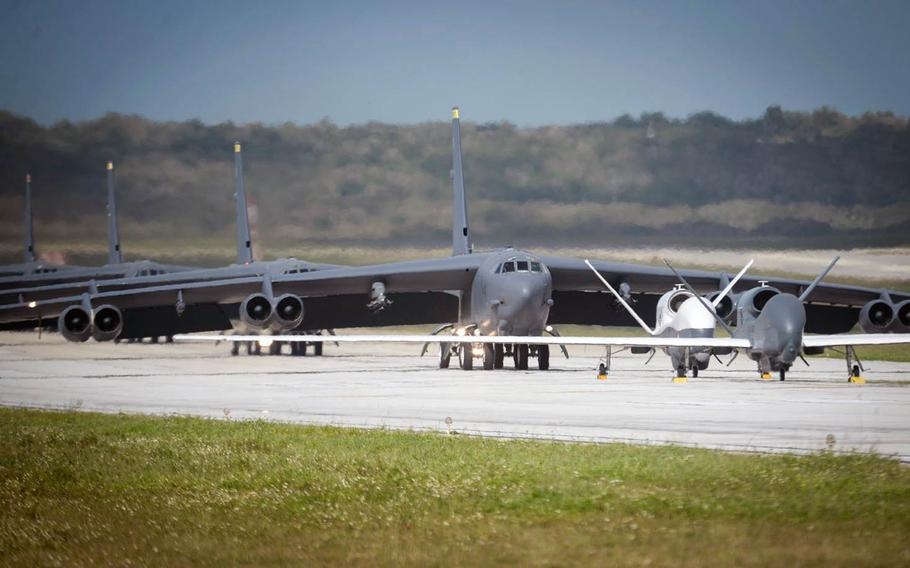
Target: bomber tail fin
x=732 y=283
x=461 y=239
x=29 y=234
x=114 y=254
x=244 y=238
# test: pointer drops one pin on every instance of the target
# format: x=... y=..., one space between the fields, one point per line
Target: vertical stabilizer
x=114 y=255
x=461 y=239
x=29 y=235
x=244 y=239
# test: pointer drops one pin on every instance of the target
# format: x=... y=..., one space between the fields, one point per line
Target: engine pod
x=901 y=323
x=288 y=312
x=877 y=316
x=75 y=324
x=256 y=311
x=107 y=323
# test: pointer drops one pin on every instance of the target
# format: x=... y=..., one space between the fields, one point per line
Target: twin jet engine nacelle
x=75 y=324
x=877 y=316
x=281 y=314
x=881 y=316
x=288 y=312
x=902 y=319
x=104 y=324
x=107 y=323
x=256 y=311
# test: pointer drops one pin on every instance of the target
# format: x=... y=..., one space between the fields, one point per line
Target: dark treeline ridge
x=813 y=178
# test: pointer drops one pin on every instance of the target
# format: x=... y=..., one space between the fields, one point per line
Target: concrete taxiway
x=389 y=386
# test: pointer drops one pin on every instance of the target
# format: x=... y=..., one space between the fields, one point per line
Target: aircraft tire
x=783 y=374
x=695 y=371
x=466 y=357
x=275 y=348
x=489 y=357
x=543 y=357
x=498 y=356
x=445 y=354
x=317 y=349
x=520 y=357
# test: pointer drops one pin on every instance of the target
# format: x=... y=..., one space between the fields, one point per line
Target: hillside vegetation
x=812 y=179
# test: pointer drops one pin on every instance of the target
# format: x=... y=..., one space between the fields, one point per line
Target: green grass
x=80 y=488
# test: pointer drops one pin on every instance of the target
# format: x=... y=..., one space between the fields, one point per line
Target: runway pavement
x=389 y=386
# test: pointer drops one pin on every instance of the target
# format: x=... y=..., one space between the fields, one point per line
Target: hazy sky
x=527 y=62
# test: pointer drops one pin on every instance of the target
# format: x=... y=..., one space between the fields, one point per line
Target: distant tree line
x=821 y=176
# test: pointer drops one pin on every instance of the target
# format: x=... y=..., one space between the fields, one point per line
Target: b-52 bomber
x=12 y=286
x=21 y=305
x=496 y=302
x=30 y=265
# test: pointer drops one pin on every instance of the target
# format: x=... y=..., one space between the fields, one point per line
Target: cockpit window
x=535 y=267
x=522 y=265
x=508 y=267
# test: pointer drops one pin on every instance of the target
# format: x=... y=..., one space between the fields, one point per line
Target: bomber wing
x=439 y=275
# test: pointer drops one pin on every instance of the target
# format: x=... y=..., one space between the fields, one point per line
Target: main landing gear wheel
x=543 y=357
x=680 y=371
x=498 y=356
x=695 y=371
x=783 y=374
x=445 y=353
x=520 y=357
x=466 y=356
x=275 y=348
x=317 y=349
x=489 y=356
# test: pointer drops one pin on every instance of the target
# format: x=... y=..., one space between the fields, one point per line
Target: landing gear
x=498 y=355
x=445 y=353
x=681 y=372
x=275 y=348
x=543 y=357
x=317 y=349
x=695 y=371
x=466 y=356
x=604 y=368
x=854 y=366
x=235 y=348
x=489 y=356
x=783 y=374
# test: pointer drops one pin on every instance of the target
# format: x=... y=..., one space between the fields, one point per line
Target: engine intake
x=107 y=323
x=288 y=312
x=902 y=320
x=876 y=316
x=256 y=311
x=75 y=324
